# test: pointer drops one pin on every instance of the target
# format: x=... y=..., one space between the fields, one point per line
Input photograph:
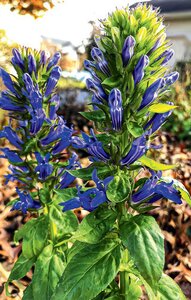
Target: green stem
x=124 y=278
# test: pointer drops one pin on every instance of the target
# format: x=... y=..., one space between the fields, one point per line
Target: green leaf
x=112 y=81
x=96 y=115
x=95 y=226
x=28 y=293
x=145 y=243
x=119 y=188
x=86 y=173
x=161 y=108
x=89 y=271
x=135 y=129
x=154 y=165
x=34 y=234
x=62 y=223
x=48 y=270
x=180 y=187
x=134 y=289
x=169 y=290
x=65 y=194
x=21 y=267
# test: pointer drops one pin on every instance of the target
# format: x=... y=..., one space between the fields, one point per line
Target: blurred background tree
x=36 y=8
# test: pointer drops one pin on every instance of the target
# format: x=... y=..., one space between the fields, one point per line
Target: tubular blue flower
x=17 y=59
x=128 y=49
x=90 y=199
x=17 y=175
x=54 y=104
x=151 y=93
x=171 y=78
x=94 y=147
x=102 y=64
x=97 y=89
x=43 y=58
x=31 y=64
x=54 y=60
x=43 y=169
x=26 y=202
x=116 y=109
x=138 y=72
x=7 y=103
x=157 y=121
x=8 y=81
x=52 y=80
x=95 y=101
x=155 y=189
x=11 y=136
x=138 y=149
x=66 y=178
x=13 y=158
x=167 y=55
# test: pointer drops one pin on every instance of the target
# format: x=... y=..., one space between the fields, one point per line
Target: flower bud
x=138 y=72
x=128 y=49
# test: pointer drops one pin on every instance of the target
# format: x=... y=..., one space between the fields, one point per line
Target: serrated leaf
x=169 y=290
x=96 y=115
x=154 y=165
x=180 y=187
x=34 y=234
x=118 y=189
x=48 y=270
x=89 y=272
x=95 y=226
x=21 y=267
x=142 y=237
x=161 y=108
x=65 y=194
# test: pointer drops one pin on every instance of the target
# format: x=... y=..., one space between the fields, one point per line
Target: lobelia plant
x=118 y=247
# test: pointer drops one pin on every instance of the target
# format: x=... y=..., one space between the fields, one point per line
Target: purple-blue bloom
x=54 y=104
x=13 y=158
x=171 y=78
x=91 y=198
x=138 y=149
x=31 y=64
x=53 y=61
x=167 y=55
x=11 y=136
x=102 y=64
x=116 y=109
x=154 y=189
x=26 y=202
x=128 y=49
x=66 y=178
x=151 y=93
x=43 y=58
x=138 y=72
x=44 y=168
x=157 y=121
x=17 y=59
x=8 y=81
x=97 y=89
x=52 y=80
x=154 y=47
x=7 y=103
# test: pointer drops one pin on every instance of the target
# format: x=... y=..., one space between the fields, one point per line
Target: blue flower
x=128 y=49
x=138 y=149
x=43 y=58
x=151 y=93
x=52 y=80
x=155 y=189
x=97 y=89
x=31 y=64
x=116 y=109
x=102 y=64
x=54 y=60
x=166 y=55
x=171 y=78
x=13 y=158
x=26 y=202
x=92 y=145
x=7 y=102
x=54 y=104
x=90 y=66
x=157 y=43
x=66 y=178
x=91 y=198
x=11 y=136
x=157 y=121
x=17 y=59
x=8 y=81
x=138 y=72
x=43 y=169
